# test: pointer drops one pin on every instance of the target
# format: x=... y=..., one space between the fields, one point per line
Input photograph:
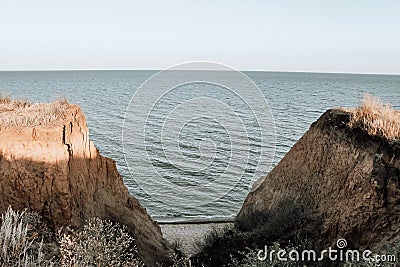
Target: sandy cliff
x=54 y=168
x=350 y=178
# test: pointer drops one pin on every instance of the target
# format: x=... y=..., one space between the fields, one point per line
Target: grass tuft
x=376 y=118
x=17 y=113
x=17 y=246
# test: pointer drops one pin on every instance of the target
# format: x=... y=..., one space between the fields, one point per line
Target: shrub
x=376 y=118
x=217 y=246
x=284 y=223
x=180 y=261
x=99 y=243
x=17 y=247
x=275 y=224
x=211 y=238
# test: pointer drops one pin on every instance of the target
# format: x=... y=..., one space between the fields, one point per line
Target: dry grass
x=99 y=243
x=23 y=113
x=17 y=247
x=376 y=118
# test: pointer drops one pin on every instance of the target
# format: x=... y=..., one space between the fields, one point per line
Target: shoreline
x=187 y=235
x=172 y=221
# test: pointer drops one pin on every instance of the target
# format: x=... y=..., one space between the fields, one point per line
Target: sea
x=191 y=146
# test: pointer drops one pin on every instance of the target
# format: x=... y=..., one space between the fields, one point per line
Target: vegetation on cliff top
x=23 y=113
x=376 y=118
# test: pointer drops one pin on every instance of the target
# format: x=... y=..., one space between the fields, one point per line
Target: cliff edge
x=49 y=165
x=349 y=177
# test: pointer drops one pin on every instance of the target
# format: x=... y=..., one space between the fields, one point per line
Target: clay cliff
x=349 y=177
x=49 y=165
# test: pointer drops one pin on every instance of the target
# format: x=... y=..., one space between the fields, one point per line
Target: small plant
x=286 y=215
x=376 y=118
x=99 y=243
x=212 y=236
x=180 y=261
x=7 y=103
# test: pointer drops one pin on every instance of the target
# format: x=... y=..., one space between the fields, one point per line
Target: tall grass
x=17 y=248
x=99 y=243
x=376 y=118
x=23 y=113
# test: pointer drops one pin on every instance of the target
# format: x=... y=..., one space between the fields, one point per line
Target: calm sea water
x=206 y=147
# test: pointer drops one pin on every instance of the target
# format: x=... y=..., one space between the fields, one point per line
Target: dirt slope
x=351 y=179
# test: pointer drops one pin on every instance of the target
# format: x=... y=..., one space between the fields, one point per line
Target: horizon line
x=246 y=70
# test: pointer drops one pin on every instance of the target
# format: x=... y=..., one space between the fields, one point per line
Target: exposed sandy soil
x=189 y=234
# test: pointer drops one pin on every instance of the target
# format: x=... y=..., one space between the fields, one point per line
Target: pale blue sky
x=323 y=36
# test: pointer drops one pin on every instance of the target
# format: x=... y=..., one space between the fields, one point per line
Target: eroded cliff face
x=57 y=171
x=349 y=178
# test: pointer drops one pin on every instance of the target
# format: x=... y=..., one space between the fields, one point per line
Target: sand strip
x=188 y=234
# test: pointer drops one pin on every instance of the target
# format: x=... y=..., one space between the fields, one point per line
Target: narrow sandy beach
x=188 y=234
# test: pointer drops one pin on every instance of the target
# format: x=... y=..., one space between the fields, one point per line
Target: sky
x=309 y=35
